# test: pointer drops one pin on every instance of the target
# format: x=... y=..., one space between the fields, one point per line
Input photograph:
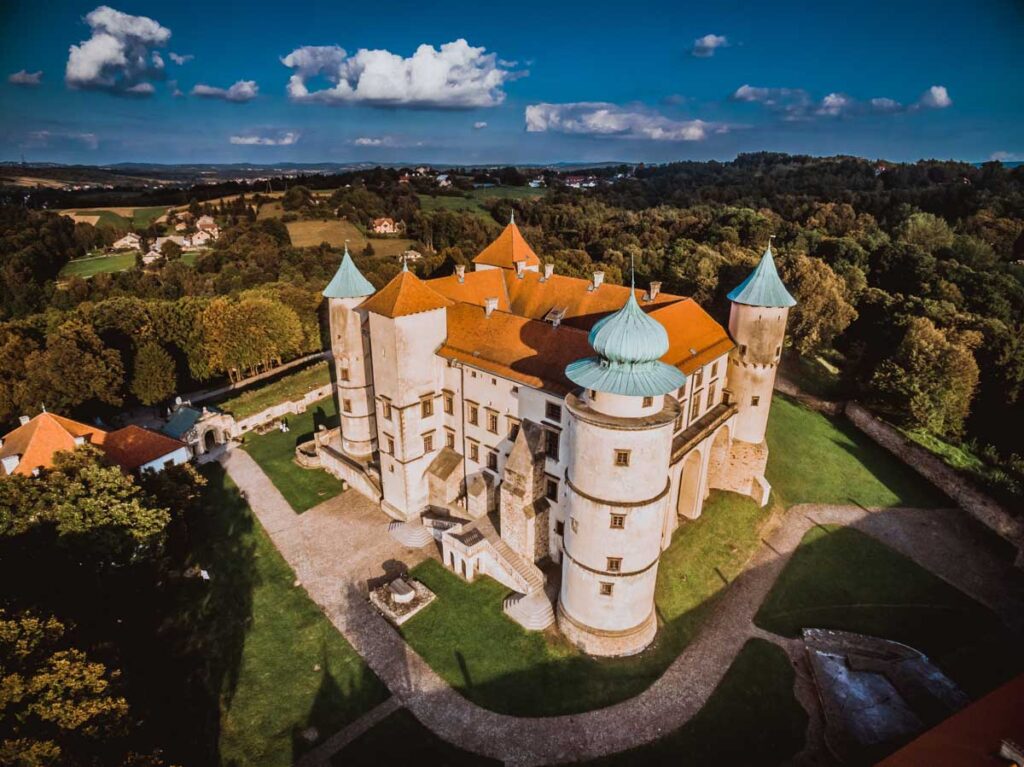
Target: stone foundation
x=742 y=471
x=608 y=644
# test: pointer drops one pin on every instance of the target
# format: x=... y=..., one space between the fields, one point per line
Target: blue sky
x=522 y=82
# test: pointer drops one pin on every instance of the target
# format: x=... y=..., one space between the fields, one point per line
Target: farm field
x=306 y=234
x=117 y=218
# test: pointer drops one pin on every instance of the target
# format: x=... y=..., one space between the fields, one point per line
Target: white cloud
x=1004 y=156
x=602 y=119
x=180 y=59
x=705 y=47
x=796 y=103
x=24 y=77
x=369 y=141
x=936 y=97
x=240 y=92
x=41 y=138
x=117 y=57
x=479 y=125
x=284 y=139
x=835 y=104
x=456 y=76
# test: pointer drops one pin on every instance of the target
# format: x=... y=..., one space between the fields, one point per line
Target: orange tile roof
x=475 y=288
x=38 y=440
x=694 y=338
x=508 y=248
x=405 y=294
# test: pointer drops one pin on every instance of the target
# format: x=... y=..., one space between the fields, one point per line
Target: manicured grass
x=335 y=232
x=288 y=388
x=840 y=578
x=401 y=740
x=817 y=459
x=275 y=662
x=275 y=453
x=750 y=718
x=105 y=264
x=491 y=660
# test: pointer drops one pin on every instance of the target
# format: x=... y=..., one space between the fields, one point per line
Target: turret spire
x=348 y=281
x=764 y=286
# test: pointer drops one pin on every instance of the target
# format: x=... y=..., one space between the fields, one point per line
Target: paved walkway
x=337 y=545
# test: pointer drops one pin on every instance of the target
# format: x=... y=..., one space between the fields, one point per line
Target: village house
x=591 y=418
x=30 y=447
x=387 y=226
x=130 y=241
x=206 y=224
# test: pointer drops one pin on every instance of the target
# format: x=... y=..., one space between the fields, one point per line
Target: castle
x=586 y=418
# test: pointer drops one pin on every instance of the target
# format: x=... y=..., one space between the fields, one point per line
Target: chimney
x=460 y=272
x=490 y=304
x=549 y=269
x=520 y=267
x=24 y=419
x=598 y=279
x=10 y=463
x=80 y=439
x=653 y=291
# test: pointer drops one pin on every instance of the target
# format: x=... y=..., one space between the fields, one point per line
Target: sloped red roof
x=405 y=294
x=508 y=248
x=133 y=446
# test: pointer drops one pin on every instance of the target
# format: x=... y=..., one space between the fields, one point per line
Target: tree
x=296 y=198
x=930 y=380
x=242 y=337
x=927 y=232
x=170 y=250
x=153 y=379
x=822 y=309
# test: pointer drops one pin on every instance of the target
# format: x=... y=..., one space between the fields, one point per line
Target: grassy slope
x=817 y=459
x=91 y=265
x=287 y=388
x=311 y=233
x=271 y=691
x=492 y=661
x=275 y=453
x=841 y=578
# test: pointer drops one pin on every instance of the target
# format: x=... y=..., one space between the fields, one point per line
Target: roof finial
x=512 y=216
x=770 y=238
x=346 y=247
x=632 y=275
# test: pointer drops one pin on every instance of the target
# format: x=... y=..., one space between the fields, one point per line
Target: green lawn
x=275 y=453
x=143 y=217
x=817 y=459
x=104 y=264
x=751 y=718
x=287 y=388
x=491 y=660
x=840 y=578
x=275 y=662
x=402 y=740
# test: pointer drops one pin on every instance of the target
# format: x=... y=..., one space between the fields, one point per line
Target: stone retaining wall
x=790 y=388
x=293 y=407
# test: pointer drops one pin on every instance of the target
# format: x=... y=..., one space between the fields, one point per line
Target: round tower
x=620 y=443
x=757 y=324
x=350 y=350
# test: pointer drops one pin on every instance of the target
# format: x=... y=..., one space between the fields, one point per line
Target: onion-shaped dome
x=630 y=345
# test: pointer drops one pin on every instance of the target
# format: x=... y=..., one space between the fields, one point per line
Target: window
x=698 y=378
x=551 y=443
x=755 y=401
x=513 y=428
x=618 y=521
x=494 y=382
x=474 y=452
x=474 y=414
x=346 y=405
x=622 y=458
x=385 y=407
x=428 y=443
x=390 y=445
x=560 y=528
x=344 y=373
x=714 y=370
x=695 y=406
x=648 y=402
x=575 y=525
x=515 y=390
x=726 y=397
x=551 y=489
x=778 y=352
x=606 y=589
x=711 y=393
x=426 y=407
x=743 y=350
x=492 y=461
x=449 y=403
x=553 y=412
x=614 y=564
x=492 y=422
x=679 y=421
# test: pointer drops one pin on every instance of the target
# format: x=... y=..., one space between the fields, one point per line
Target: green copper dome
x=763 y=287
x=348 y=282
x=630 y=345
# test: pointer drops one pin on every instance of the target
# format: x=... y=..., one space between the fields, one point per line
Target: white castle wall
x=759 y=333
x=352 y=361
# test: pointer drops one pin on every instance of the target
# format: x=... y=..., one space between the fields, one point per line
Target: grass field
x=491 y=660
x=335 y=232
x=817 y=459
x=277 y=664
x=103 y=264
x=840 y=578
x=275 y=453
x=120 y=218
x=287 y=388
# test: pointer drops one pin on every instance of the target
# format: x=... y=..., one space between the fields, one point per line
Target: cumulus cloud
x=602 y=119
x=180 y=59
x=705 y=47
x=240 y=92
x=118 y=56
x=936 y=97
x=1002 y=156
x=797 y=104
x=29 y=79
x=479 y=125
x=369 y=141
x=42 y=138
x=456 y=76
x=284 y=139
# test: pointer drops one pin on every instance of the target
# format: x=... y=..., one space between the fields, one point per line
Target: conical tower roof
x=764 y=286
x=348 y=281
x=508 y=248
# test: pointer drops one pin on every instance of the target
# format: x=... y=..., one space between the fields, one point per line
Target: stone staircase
x=412 y=535
x=532 y=611
x=527 y=572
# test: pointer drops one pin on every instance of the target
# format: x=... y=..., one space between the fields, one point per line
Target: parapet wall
x=293 y=407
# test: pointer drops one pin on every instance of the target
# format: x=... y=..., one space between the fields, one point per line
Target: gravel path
x=336 y=546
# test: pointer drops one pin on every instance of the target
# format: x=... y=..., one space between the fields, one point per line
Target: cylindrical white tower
x=757 y=324
x=620 y=444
